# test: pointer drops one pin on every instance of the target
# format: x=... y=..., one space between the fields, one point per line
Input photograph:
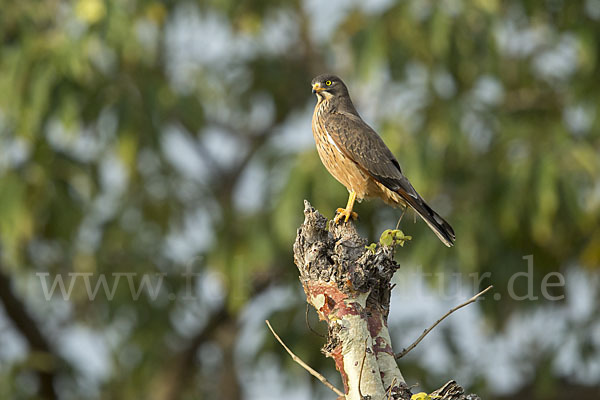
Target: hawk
x=359 y=159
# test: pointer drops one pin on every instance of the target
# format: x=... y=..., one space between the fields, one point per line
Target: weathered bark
x=349 y=286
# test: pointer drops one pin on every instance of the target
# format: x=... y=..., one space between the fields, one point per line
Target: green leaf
x=372 y=247
x=393 y=237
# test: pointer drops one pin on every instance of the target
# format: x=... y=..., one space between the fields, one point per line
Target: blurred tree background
x=143 y=141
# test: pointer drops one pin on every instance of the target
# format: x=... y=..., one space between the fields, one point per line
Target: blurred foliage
x=155 y=137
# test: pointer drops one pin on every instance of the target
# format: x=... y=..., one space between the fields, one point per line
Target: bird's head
x=327 y=86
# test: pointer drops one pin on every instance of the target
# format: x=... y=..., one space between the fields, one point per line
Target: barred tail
x=438 y=225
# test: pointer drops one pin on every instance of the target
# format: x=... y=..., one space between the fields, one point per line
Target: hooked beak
x=316 y=88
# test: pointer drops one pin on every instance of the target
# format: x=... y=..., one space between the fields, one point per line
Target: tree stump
x=349 y=286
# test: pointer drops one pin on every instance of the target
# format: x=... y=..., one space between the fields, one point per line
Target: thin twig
x=304 y=365
x=391 y=387
x=416 y=342
x=362 y=365
x=308 y=324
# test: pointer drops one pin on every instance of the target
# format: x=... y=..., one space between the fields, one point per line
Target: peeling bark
x=349 y=286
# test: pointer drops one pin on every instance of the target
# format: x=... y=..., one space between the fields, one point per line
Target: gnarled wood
x=349 y=286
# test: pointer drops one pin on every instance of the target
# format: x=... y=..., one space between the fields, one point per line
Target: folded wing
x=365 y=147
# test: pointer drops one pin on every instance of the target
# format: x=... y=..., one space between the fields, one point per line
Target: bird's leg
x=347 y=212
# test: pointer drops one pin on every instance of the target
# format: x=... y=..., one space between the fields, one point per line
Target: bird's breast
x=333 y=157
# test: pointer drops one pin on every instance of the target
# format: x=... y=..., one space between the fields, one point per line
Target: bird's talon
x=353 y=215
x=345 y=214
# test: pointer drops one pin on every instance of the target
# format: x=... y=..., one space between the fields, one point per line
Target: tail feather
x=438 y=225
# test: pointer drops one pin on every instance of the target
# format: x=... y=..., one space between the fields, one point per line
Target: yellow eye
x=328 y=83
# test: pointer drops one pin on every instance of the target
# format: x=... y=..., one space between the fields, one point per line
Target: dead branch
x=304 y=365
x=426 y=331
x=349 y=287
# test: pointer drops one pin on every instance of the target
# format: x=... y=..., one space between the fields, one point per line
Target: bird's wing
x=363 y=145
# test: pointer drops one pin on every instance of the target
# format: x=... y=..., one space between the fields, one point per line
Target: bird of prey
x=359 y=159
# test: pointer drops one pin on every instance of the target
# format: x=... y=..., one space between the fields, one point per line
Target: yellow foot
x=344 y=213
